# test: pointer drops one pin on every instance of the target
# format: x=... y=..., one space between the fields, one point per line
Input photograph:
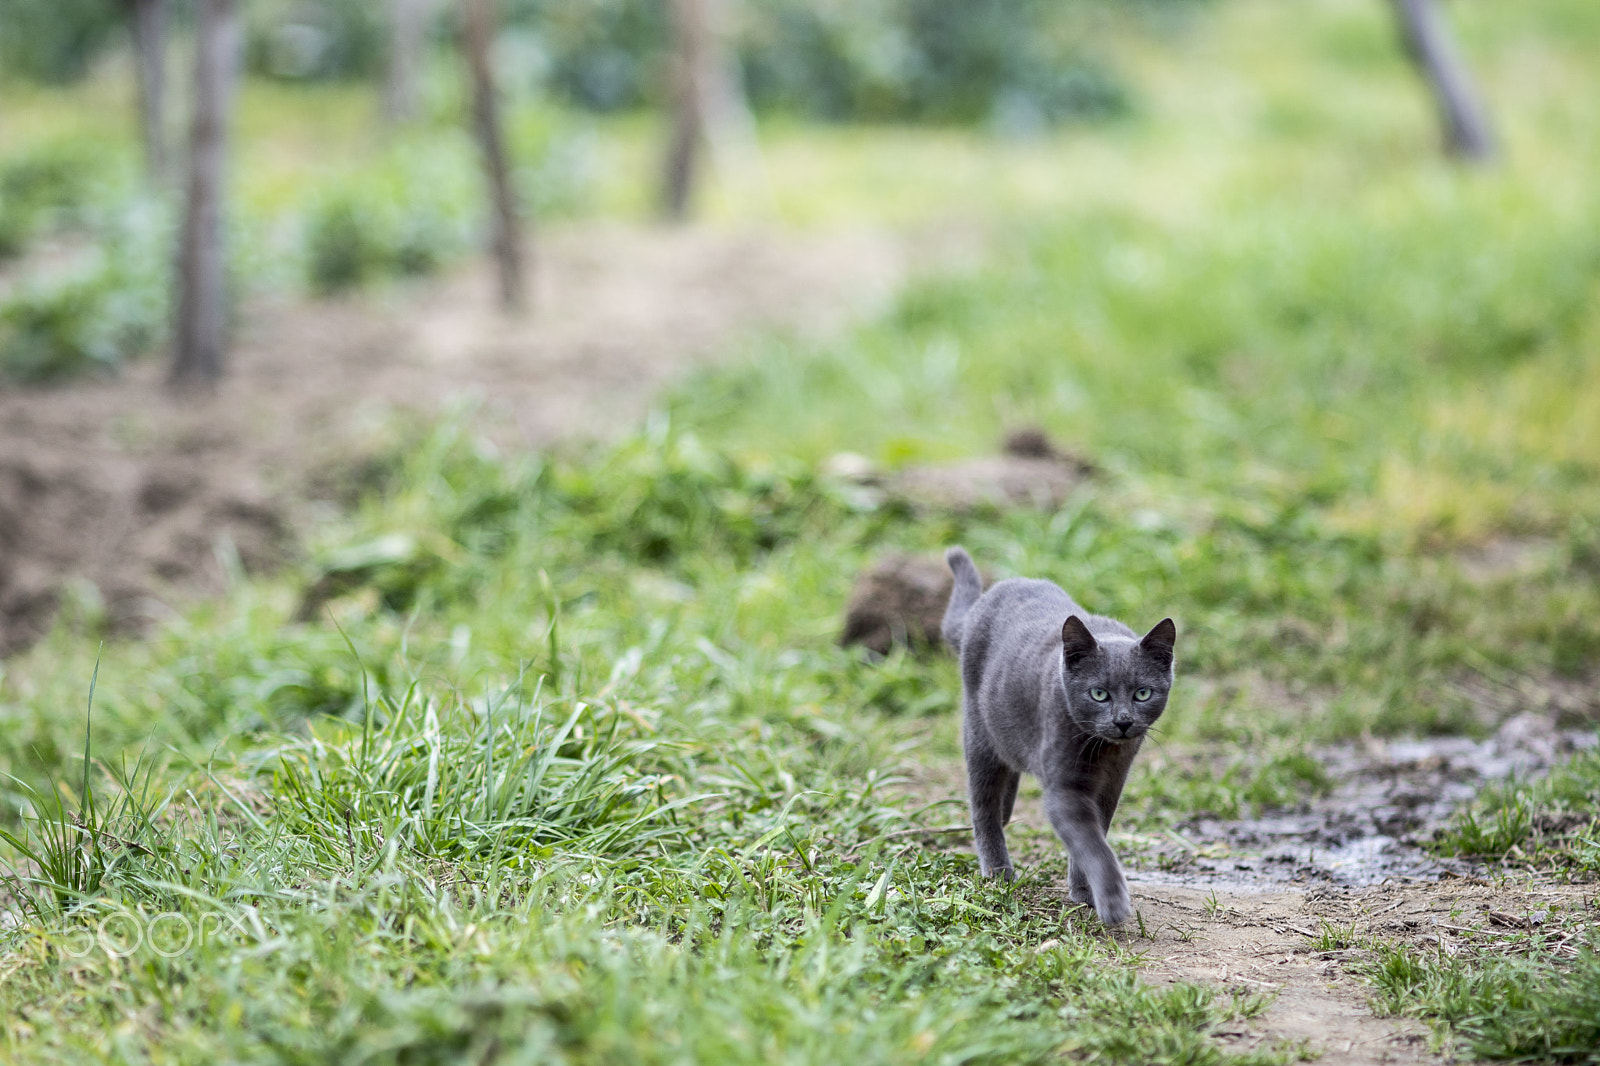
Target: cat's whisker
x=1090 y=750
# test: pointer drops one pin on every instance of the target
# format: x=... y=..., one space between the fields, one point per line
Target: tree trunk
x=201 y=328
x=708 y=107
x=691 y=76
x=477 y=36
x=408 y=27
x=1427 y=39
x=149 y=21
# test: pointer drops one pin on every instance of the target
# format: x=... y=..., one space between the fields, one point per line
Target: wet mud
x=1385 y=803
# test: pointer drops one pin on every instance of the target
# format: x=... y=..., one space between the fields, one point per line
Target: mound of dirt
x=1031 y=471
x=120 y=525
x=137 y=497
x=900 y=599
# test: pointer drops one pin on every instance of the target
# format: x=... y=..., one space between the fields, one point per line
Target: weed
x=71 y=847
x=1548 y=821
x=1334 y=938
x=1505 y=1008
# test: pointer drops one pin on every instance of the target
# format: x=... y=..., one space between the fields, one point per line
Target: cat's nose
x=1123 y=724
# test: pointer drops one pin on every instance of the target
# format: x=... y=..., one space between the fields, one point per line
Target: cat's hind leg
x=991 y=789
x=1010 y=799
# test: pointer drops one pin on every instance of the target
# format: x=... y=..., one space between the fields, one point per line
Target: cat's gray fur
x=1029 y=658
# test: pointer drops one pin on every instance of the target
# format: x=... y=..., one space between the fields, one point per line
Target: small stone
x=849 y=466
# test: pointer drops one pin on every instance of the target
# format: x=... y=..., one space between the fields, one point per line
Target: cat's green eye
x=1142 y=694
x=1099 y=695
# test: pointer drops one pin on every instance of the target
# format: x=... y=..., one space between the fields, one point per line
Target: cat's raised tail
x=968 y=587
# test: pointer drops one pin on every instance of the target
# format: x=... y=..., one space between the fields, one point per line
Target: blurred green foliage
x=402 y=210
x=663 y=497
x=1017 y=63
x=419 y=204
x=107 y=300
x=360 y=231
x=55 y=40
x=48 y=185
x=312 y=40
x=85 y=324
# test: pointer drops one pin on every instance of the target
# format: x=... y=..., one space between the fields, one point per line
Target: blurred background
x=350 y=157
x=1332 y=255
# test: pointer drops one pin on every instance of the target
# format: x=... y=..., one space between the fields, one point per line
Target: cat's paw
x=1004 y=873
x=1078 y=892
x=1115 y=905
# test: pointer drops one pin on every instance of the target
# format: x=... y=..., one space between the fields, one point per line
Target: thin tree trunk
x=708 y=107
x=477 y=37
x=408 y=26
x=691 y=61
x=149 y=22
x=1427 y=39
x=201 y=328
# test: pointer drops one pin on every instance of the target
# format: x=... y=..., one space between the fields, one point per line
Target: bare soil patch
x=137 y=497
x=1258 y=944
x=1268 y=941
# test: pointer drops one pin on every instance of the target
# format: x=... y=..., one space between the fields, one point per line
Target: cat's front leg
x=1094 y=876
x=1078 y=885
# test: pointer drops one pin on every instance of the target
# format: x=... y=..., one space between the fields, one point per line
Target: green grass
x=553 y=758
x=1546 y=822
x=1513 y=997
x=1516 y=1006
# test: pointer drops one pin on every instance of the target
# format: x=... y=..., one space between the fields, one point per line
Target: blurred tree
x=200 y=336
x=708 y=105
x=149 y=21
x=692 y=62
x=1428 y=42
x=408 y=36
x=477 y=38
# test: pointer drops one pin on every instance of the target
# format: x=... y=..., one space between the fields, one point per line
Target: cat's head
x=1117 y=686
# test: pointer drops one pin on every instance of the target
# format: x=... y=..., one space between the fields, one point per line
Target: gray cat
x=1065 y=695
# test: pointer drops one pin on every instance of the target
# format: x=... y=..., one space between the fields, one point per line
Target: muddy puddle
x=1386 y=801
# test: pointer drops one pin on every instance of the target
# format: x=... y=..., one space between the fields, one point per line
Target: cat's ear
x=1077 y=643
x=1158 y=643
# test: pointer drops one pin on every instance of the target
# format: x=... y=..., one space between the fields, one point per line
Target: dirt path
x=1258 y=942
x=1272 y=941
x=135 y=498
